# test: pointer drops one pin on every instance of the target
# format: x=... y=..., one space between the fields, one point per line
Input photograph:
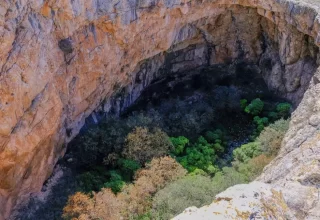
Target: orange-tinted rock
x=44 y=91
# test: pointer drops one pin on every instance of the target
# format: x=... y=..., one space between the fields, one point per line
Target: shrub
x=247 y=151
x=212 y=169
x=280 y=125
x=229 y=176
x=106 y=206
x=255 y=107
x=273 y=116
x=93 y=146
x=111 y=159
x=103 y=205
x=198 y=172
x=142 y=145
x=271 y=137
x=157 y=174
x=198 y=156
x=143 y=120
x=78 y=205
x=260 y=122
x=181 y=194
x=92 y=180
x=115 y=183
x=179 y=144
x=283 y=109
x=128 y=166
x=254 y=167
x=217 y=138
x=186 y=121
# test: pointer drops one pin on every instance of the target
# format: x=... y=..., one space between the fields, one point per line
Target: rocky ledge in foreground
x=246 y=201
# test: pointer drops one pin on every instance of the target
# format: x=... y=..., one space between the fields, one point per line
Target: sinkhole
x=224 y=79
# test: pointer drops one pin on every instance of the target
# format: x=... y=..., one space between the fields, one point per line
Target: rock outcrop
x=247 y=201
x=61 y=60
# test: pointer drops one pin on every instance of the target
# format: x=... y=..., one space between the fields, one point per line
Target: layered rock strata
x=61 y=60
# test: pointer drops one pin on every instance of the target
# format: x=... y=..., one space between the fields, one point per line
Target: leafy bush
x=157 y=174
x=273 y=116
x=128 y=166
x=106 y=206
x=260 y=122
x=78 y=205
x=193 y=190
x=152 y=119
x=99 y=141
x=255 y=107
x=115 y=182
x=247 y=151
x=229 y=176
x=179 y=144
x=181 y=194
x=283 y=110
x=243 y=104
x=218 y=139
x=142 y=145
x=134 y=200
x=271 y=137
x=254 y=167
x=198 y=155
x=92 y=180
x=181 y=120
x=103 y=205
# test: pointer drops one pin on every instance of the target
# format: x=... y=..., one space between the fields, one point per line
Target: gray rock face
x=296 y=170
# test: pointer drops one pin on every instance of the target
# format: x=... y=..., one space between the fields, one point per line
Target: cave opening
x=195 y=87
x=187 y=104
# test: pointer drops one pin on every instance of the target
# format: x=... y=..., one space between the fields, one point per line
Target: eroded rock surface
x=60 y=60
x=246 y=201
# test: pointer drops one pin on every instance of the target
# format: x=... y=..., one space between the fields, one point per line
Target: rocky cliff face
x=60 y=60
x=247 y=201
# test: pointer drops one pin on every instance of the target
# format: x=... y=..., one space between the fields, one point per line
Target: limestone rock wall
x=60 y=59
x=246 y=201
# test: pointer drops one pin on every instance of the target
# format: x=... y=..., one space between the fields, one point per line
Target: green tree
x=198 y=155
x=247 y=151
x=142 y=145
x=218 y=139
x=283 y=110
x=255 y=107
x=128 y=166
x=260 y=122
x=181 y=194
x=179 y=144
x=115 y=182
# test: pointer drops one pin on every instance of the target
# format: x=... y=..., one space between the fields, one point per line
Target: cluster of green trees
x=201 y=155
x=158 y=176
x=262 y=117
